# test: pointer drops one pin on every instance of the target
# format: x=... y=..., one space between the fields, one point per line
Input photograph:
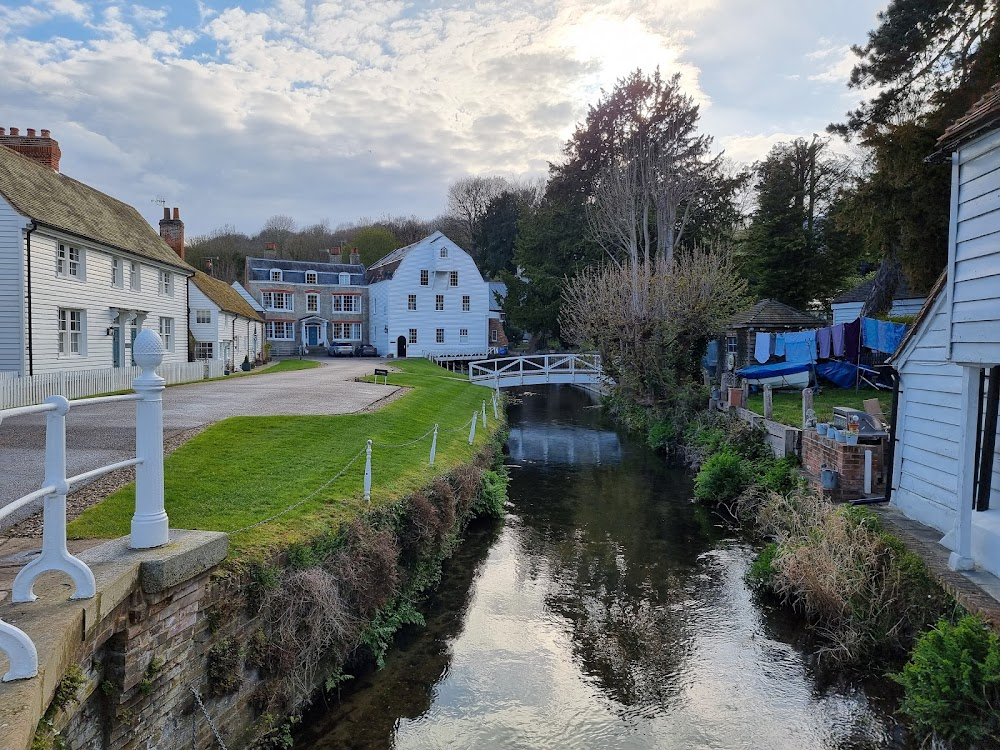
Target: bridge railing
x=512 y=369
x=149 y=523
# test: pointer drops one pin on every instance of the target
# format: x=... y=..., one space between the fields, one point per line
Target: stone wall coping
x=58 y=625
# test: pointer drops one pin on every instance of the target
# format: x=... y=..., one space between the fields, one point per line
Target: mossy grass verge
x=246 y=469
x=788 y=404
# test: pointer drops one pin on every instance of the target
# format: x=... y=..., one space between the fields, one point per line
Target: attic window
x=345 y=278
x=275 y=274
x=443 y=252
x=311 y=277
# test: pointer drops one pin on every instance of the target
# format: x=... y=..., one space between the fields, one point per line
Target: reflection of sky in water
x=563 y=444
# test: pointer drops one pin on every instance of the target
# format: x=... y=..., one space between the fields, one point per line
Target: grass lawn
x=245 y=469
x=285 y=365
x=788 y=404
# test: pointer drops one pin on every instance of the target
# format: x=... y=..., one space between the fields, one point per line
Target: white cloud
x=838 y=61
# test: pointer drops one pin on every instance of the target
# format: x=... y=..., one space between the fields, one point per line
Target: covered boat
x=778 y=375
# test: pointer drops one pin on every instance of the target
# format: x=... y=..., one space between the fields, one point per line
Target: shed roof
x=983 y=115
x=772 y=314
x=54 y=200
x=224 y=296
x=861 y=292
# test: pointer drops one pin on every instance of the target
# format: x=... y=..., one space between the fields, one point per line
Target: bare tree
x=468 y=199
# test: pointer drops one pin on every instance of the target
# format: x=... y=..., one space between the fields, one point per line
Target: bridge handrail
x=533 y=365
x=150 y=525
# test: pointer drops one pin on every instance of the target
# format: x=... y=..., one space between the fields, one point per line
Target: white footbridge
x=538 y=369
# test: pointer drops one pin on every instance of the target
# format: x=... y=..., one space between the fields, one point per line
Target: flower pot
x=841 y=436
x=822 y=428
x=852 y=438
x=831 y=432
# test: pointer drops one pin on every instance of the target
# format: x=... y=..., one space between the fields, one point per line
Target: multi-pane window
x=443 y=252
x=280 y=329
x=411 y=302
x=439 y=302
x=312 y=303
x=70 y=331
x=69 y=261
x=425 y=277
x=439 y=335
x=466 y=303
x=732 y=345
x=133 y=276
x=311 y=277
x=413 y=336
x=203 y=316
x=275 y=274
x=346 y=303
x=117 y=275
x=453 y=278
x=167 y=333
x=166 y=283
x=349 y=331
x=203 y=350
x=463 y=334
x=277 y=300
x=344 y=279
x=494 y=336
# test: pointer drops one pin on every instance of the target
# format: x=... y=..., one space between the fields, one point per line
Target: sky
x=339 y=111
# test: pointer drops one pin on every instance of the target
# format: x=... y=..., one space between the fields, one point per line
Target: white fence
x=537 y=370
x=16 y=391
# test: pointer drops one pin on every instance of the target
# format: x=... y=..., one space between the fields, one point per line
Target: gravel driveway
x=103 y=434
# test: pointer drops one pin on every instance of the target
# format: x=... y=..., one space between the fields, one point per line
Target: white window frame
x=453 y=278
x=439 y=303
x=732 y=344
x=411 y=302
x=494 y=335
x=466 y=302
x=287 y=327
x=346 y=331
x=463 y=334
x=412 y=338
x=312 y=277
x=203 y=317
x=204 y=350
x=344 y=279
x=270 y=300
x=425 y=277
x=117 y=273
x=72 y=332
x=167 y=332
x=312 y=302
x=166 y=284
x=70 y=262
x=438 y=335
x=134 y=280
x=346 y=303
x=443 y=252
x=275 y=275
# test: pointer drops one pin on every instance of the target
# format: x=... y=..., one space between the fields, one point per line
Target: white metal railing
x=73 y=384
x=149 y=523
x=539 y=368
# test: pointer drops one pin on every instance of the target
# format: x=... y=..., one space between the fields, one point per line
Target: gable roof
x=385 y=267
x=983 y=115
x=241 y=290
x=861 y=292
x=770 y=313
x=227 y=298
x=60 y=202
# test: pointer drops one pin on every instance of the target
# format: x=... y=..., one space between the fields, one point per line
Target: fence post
x=21 y=653
x=807 y=405
x=150 y=525
x=484 y=413
x=768 y=403
x=54 y=555
x=434 y=444
x=472 y=432
x=496 y=414
x=368 y=471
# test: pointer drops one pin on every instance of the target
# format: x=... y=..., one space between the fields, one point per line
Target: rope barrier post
x=368 y=472
x=496 y=414
x=472 y=431
x=484 y=413
x=434 y=444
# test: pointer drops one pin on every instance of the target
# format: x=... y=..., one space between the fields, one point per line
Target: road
x=104 y=434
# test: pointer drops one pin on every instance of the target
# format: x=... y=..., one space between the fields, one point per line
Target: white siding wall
x=12 y=289
x=378 y=317
x=974 y=253
x=204 y=332
x=848 y=312
x=95 y=295
x=249 y=334
x=426 y=319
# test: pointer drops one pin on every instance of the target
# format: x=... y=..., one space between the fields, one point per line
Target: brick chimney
x=355 y=257
x=40 y=148
x=336 y=255
x=172 y=231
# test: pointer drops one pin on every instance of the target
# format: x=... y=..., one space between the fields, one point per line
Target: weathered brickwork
x=819 y=452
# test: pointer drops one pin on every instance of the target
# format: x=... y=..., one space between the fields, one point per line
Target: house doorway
x=401 y=346
x=312 y=335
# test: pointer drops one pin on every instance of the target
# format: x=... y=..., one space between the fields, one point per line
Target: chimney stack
x=172 y=231
x=43 y=149
x=355 y=257
x=336 y=255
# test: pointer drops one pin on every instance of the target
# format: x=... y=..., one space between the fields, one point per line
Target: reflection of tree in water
x=371 y=705
x=620 y=546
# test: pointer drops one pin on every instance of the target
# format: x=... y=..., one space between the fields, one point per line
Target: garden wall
x=847 y=460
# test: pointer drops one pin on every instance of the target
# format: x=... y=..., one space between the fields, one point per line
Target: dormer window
x=312 y=277
x=443 y=252
x=275 y=274
x=345 y=279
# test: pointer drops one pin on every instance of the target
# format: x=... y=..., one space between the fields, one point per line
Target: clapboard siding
x=12 y=296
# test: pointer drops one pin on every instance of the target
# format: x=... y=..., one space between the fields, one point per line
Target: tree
x=497 y=232
x=793 y=251
x=468 y=199
x=373 y=243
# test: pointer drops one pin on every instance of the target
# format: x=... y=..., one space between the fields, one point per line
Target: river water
x=608 y=611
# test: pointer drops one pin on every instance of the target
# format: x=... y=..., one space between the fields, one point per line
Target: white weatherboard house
x=80 y=272
x=945 y=471
x=428 y=298
x=223 y=324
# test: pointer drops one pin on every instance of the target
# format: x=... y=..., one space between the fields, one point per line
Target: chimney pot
x=3 y=131
x=45 y=152
x=172 y=231
x=15 y=131
x=45 y=133
x=166 y=214
x=31 y=132
x=177 y=214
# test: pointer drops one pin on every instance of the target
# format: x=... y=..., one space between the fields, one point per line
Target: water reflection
x=558 y=444
x=609 y=612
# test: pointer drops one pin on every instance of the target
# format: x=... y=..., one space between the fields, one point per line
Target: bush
x=722 y=477
x=760 y=575
x=778 y=475
x=492 y=495
x=660 y=433
x=952 y=683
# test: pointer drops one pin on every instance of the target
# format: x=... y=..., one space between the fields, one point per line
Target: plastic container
x=841 y=436
x=852 y=438
x=831 y=432
x=829 y=479
x=822 y=428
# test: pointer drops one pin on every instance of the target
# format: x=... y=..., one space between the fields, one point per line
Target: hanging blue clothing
x=869 y=333
x=800 y=346
x=881 y=335
x=779 y=345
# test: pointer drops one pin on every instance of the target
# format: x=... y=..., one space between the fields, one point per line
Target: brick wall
x=847 y=460
x=40 y=148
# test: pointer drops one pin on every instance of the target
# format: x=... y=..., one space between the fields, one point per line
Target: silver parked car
x=340 y=349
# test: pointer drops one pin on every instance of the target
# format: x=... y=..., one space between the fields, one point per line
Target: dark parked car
x=366 y=350
x=340 y=349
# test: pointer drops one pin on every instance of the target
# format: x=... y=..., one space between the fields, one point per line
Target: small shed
x=767 y=316
x=847 y=307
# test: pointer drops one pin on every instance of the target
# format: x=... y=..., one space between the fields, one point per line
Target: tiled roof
x=224 y=296
x=241 y=290
x=984 y=114
x=860 y=293
x=60 y=202
x=294 y=271
x=386 y=266
x=772 y=314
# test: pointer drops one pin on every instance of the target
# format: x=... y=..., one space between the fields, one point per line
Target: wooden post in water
x=768 y=403
x=807 y=404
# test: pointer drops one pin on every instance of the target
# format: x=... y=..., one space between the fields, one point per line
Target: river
x=608 y=611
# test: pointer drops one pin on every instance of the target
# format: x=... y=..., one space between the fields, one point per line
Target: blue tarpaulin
x=779 y=369
x=842 y=374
